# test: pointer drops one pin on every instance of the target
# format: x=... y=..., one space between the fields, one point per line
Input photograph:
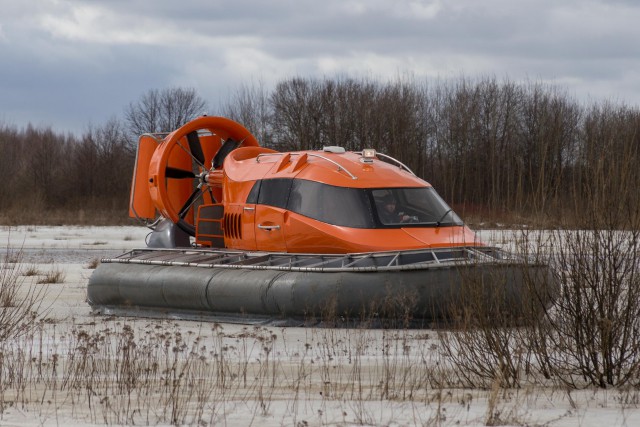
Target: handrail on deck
x=340 y=167
x=393 y=159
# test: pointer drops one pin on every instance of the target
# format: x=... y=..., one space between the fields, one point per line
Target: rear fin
x=140 y=204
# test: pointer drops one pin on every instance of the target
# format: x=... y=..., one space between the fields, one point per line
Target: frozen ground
x=80 y=369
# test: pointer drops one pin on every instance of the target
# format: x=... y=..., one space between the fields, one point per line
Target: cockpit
x=356 y=207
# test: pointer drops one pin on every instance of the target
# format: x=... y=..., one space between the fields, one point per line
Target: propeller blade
x=227 y=147
x=213 y=199
x=178 y=173
x=190 y=201
x=195 y=147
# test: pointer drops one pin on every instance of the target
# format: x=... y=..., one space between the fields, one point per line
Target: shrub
x=19 y=304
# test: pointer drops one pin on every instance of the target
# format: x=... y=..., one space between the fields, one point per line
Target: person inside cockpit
x=388 y=211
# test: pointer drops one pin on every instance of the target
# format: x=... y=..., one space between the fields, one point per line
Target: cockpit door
x=269 y=228
x=248 y=227
x=271 y=214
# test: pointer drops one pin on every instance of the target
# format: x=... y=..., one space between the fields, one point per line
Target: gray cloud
x=70 y=63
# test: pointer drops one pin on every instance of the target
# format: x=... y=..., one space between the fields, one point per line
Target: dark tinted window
x=355 y=207
x=253 y=194
x=348 y=207
x=275 y=192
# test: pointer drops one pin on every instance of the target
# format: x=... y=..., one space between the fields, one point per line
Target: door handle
x=268 y=227
x=247 y=208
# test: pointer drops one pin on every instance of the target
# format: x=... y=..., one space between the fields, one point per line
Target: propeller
x=190 y=201
x=227 y=147
x=178 y=173
x=198 y=155
x=195 y=147
x=182 y=172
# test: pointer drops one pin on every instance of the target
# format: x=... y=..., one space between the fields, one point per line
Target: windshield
x=415 y=206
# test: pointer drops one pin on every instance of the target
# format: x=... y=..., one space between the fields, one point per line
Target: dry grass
x=55 y=275
x=126 y=372
x=93 y=264
x=587 y=337
x=139 y=372
x=19 y=303
x=121 y=371
x=31 y=271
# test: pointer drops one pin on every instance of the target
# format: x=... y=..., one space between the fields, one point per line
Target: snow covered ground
x=81 y=369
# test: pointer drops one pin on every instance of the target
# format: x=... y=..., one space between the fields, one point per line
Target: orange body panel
x=270 y=165
x=270 y=229
x=307 y=235
x=140 y=203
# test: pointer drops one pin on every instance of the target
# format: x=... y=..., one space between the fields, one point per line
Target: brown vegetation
x=589 y=336
x=19 y=303
x=54 y=179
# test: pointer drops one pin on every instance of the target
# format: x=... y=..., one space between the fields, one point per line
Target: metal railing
x=372 y=261
x=338 y=165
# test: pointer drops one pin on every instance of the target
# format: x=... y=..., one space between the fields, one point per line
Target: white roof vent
x=333 y=149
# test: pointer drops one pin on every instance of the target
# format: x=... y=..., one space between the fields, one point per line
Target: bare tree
x=296 y=114
x=163 y=110
x=249 y=105
x=101 y=166
x=10 y=159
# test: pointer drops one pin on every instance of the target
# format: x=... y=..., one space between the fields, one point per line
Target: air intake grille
x=233 y=226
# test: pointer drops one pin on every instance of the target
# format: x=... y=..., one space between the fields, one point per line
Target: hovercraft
x=244 y=233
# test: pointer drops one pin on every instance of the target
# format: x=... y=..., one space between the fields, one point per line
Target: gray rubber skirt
x=417 y=295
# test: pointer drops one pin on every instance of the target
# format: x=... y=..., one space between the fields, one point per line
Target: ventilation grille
x=232 y=225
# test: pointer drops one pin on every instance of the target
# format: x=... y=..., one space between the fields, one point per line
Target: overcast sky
x=73 y=63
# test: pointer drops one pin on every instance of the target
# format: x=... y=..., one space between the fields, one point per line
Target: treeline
x=50 y=178
x=496 y=150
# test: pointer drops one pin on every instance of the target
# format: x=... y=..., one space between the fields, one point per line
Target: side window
x=342 y=206
x=252 y=198
x=275 y=192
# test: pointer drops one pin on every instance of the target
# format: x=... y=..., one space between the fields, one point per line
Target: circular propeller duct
x=189 y=154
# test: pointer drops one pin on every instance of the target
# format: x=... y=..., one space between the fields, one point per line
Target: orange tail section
x=140 y=203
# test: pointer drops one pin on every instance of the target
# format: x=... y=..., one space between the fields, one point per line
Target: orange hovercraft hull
x=246 y=233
